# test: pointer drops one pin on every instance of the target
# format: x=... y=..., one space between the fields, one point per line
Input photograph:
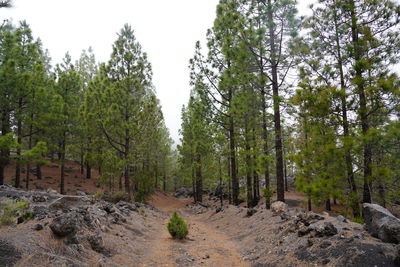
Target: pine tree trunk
x=199 y=179
x=266 y=148
x=277 y=115
x=82 y=164
x=88 y=171
x=256 y=192
x=221 y=197
x=62 y=159
x=363 y=112
x=234 y=178
x=2 y=168
x=39 y=171
x=309 y=206
x=19 y=140
x=194 y=184
x=249 y=188
x=345 y=124
x=165 y=182
x=286 y=178
x=4 y=153
x=126 y=169
x=229 y=182
x=156 y=175
x=328 y=205
x=28 y=165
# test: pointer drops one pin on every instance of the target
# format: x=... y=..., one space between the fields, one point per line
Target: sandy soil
x=205 y=246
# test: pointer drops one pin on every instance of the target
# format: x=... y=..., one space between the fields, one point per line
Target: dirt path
x=204 y=246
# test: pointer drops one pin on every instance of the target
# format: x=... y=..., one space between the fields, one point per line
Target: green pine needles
x=177 y=226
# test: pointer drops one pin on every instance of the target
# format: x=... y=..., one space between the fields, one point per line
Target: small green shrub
x=99 y=195
x=118 y=196
x=11 y=210
x=140 y=196
x=268 y=193
x=177 y=226
x=359 y=220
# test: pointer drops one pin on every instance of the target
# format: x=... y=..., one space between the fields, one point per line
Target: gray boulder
x=66 y=224
x=381 y=223
x=67 y=202
x=397 y=255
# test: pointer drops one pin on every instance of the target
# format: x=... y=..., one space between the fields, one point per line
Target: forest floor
x=139 y=237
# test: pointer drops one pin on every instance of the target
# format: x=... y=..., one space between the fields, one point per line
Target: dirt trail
x=204 y=246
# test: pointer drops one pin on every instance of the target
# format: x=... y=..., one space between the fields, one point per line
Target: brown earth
x=74 y=179
x=228 y=237
x=205 y=245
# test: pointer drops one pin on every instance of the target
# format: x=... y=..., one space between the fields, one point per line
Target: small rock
x=51 y=191
x=310 y=243
x=325 y=261
x=206 y=257
x=330 y=229
x=250 y=212
x=39 y=198
x=325 y=244
x=279 y=207
x=340 y=218
x=96 y=242
x=303 y=230
x=81 y=193
x=20 y=220
x=288 y=215
x=38 y=227
x=39 y=217
x=71 y=239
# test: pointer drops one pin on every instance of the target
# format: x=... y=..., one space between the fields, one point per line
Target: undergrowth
x=10 y=211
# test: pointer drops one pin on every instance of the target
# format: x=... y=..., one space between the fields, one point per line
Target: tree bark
x=62 y=159
x=249 y=183
x=363 y=112
x=199 y=179
x=276 y=102
x=345 y=124
x=88 y=171
x=234 y=179
x=19 y=140
x=4 y=153
x=328 y=205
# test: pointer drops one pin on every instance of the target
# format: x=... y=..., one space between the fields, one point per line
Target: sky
x=167 y=31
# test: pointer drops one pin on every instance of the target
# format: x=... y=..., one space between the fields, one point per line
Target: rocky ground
x=77 y=231
x=81 y=231
x=298 y=238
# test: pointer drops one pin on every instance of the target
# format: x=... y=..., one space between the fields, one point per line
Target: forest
x=277 y=100
x=104 y=116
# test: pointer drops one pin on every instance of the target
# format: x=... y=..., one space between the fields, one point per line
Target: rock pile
x=183 y=193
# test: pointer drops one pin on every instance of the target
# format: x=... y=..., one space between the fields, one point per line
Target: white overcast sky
x=167 y=31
